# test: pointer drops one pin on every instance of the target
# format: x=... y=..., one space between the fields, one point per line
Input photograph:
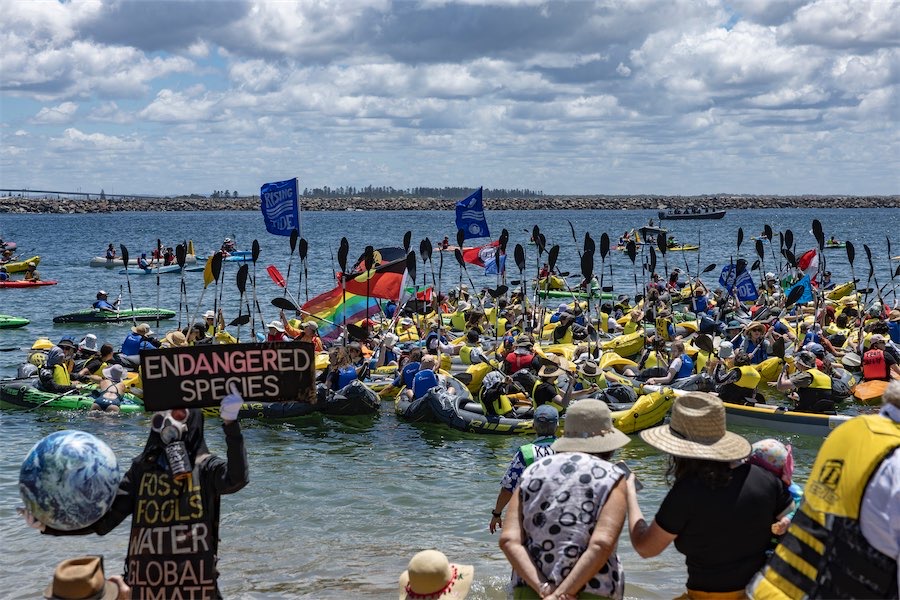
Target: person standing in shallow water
x=172 y=492
x=719 y=515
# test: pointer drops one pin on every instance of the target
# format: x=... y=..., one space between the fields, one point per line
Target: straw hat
x=696 y=429
x=431 y=575
x=755 y=325
x=589 y=428
x=141 y=329
x=894 y=315
x=176 y=339
x=589 y=369
x=81 y=577
x=276 y=325
x=550 y=371
x=114 y=373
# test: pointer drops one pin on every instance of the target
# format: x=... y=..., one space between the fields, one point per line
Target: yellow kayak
x=21 y=265
x=845 y=289
x=649 y=410
x=683 y=248
x=625 y=345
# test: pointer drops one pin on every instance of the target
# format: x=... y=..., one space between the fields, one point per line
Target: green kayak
x=566 y=294
x=20 y=393
x=8 y=322
x=93 y=315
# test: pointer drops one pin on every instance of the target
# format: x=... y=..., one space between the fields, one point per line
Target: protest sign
x=199 y=376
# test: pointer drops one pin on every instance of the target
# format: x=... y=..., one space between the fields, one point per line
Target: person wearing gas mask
x=172 y=492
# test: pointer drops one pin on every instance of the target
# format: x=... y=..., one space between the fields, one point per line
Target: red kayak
x=26 y=284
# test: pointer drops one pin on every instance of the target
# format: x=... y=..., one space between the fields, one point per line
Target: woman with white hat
x=720 y=509
x=565 y=518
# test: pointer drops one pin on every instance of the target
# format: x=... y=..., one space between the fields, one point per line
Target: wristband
x=496 y=513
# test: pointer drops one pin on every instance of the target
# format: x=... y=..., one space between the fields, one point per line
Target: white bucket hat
x=589 y=428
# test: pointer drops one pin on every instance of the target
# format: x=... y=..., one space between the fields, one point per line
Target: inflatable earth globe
x=69 y=479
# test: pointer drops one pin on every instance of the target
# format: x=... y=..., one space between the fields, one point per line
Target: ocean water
x=336 y=507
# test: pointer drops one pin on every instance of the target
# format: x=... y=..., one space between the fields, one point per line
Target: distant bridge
x=80 y=195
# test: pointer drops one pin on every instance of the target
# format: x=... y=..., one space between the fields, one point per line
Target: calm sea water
x=336 y=508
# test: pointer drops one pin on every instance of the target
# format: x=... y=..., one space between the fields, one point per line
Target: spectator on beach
x=778 y=459
x=546 y=420
x=565 y=518
x=83 y=578
x=719 y=515
x=851 y=510
x=431 y=576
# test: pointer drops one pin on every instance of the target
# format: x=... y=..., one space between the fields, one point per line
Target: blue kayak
x=138 y=271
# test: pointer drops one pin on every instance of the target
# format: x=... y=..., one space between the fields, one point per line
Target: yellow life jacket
x=408 y=334
x=465 y=354
x=61 y=375
x=534 y=388
x=826 y=527
x=630 y=327
x=99 y=371
x=565 y=339
x=599 y=379
x=603 y=322
x=662 y=328
x=499 y=407
x=458 y=321
x=750 y=377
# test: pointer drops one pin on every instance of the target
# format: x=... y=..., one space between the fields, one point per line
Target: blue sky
x=607 y=97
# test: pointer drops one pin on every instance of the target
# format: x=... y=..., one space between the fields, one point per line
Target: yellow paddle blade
x=207 y=272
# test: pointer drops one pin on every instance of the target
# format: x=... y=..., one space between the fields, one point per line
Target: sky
x=675 y=97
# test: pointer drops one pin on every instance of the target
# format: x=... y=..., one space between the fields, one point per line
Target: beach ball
x=69 y=479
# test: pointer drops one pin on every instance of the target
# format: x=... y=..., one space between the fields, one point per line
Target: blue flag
x=807 y=290
x=280 y=204
x=742 y=284
x=470 y=217
x=490 y=265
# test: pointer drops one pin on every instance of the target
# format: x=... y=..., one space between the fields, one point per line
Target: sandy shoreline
x=636 y=202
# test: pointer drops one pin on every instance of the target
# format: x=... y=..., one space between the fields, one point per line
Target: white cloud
x=56 y=115
x=73 y=139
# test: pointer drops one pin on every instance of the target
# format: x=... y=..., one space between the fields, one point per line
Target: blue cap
x=546 y=414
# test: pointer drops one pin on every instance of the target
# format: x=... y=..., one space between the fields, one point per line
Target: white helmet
x=770 y=276
x=492 y=380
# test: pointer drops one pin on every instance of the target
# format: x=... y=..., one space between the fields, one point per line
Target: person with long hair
x=720 y=510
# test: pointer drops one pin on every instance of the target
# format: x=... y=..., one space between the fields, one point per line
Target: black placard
x=200 y=376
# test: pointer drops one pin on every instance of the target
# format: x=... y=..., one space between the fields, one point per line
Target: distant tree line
x=224 y=194
x=457 y=193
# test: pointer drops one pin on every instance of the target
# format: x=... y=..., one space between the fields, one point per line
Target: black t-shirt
x=724 y=533
x=545 y=393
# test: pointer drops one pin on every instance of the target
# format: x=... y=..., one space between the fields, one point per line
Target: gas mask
x=171 y=425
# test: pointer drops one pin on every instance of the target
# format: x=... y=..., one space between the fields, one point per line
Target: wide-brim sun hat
x=894 y=315
x=589 y=369
x=589 y=428
x=176 y=339
x=755 y=325
x=550 y=371
x=142 y=329
x=209 y=315
x=276 y=325
x=696 y=429
x=726 y=349
x=114 y=373
x=81 y=577
x=431 y=575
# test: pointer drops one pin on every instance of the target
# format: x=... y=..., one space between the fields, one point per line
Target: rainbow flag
x=330 y=306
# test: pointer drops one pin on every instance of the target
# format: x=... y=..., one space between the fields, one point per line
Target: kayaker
x=309 y=332
x=385 y=354
x=893 y=325
x=340 y=373
x=522 y=356
x=31 y=273
x=143 y=263
x=546 y=420
x=228 y=246
x=408 y=369
x=102 y=302
x=562 y=308
x=877 y=362
x=720 y=509
x=563 y=525
x=567 y=330
x=826 y=283
x=545 y=390
x=54 y=376
x=850 y=509
x=494 y=395
x=445 y=243
x=737 y=384
x=109 y=393
x=425 y=379
x=209 y=318
x=471 y=353
x=544 y=272
x=174 y=505
x=139 y=339
x=680 y=367
x=812 y=385
x=276 y=332
x=4 y=276
x=93 y=368
x=756 y=342
x=436 y=340
x=169 y=257
x=110 y=254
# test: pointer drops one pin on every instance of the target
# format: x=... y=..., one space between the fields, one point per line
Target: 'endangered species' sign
x=200 y=376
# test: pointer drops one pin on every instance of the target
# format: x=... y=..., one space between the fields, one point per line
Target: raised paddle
x=631 y=250
x=460 y=238
x=462 y=266
x=243 y=273
x=158 y=263
x=238 y=321
x=283 y=303
x=663 y=245
x=604 y=252
x=303 y=250
x=890 y=267
x=574 y=237
x=280 y=281
x=181 y=259
x=740 y=240
x=254 y=256
x=343 y=250
x=293 y=244
x=761 y=253
x=519 y=256
x=124 y=252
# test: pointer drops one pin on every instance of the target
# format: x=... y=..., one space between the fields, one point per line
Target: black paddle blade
x=541 y=243
x=818 y=233
x=789 y=257
x=740 y=239
x=240 y=320
x=708 y=268
x=788 y=238
x=897 y=271
x=851 y=253
x=304 y=248
x=767 y=232
x=216 y=266
x=760 y=251
x=704 y=342
x=662 y=243
x=590 y=247
x=780 y=241
x=242 y=274
x=535 y=234
x=460 y=237
x=504 y=240
x=552 y=257
x=869 y=256
x=604 y=246
x=358 y=333
x=343 y=250
x=283 y=303
x=124 y=252
x=755 y=265
x=407 y=240
x=652 y=260
x=423 y=251
x=794 y=295
x=180 y=255
x=631 y=250
x=778 y=348
x=496 y=293
x=294 y=235
x=369 y=257
x=254 y=250
x=587 y=267
x=411 y=265
x=459 y=258
x=519 y=254
x=430 y=248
